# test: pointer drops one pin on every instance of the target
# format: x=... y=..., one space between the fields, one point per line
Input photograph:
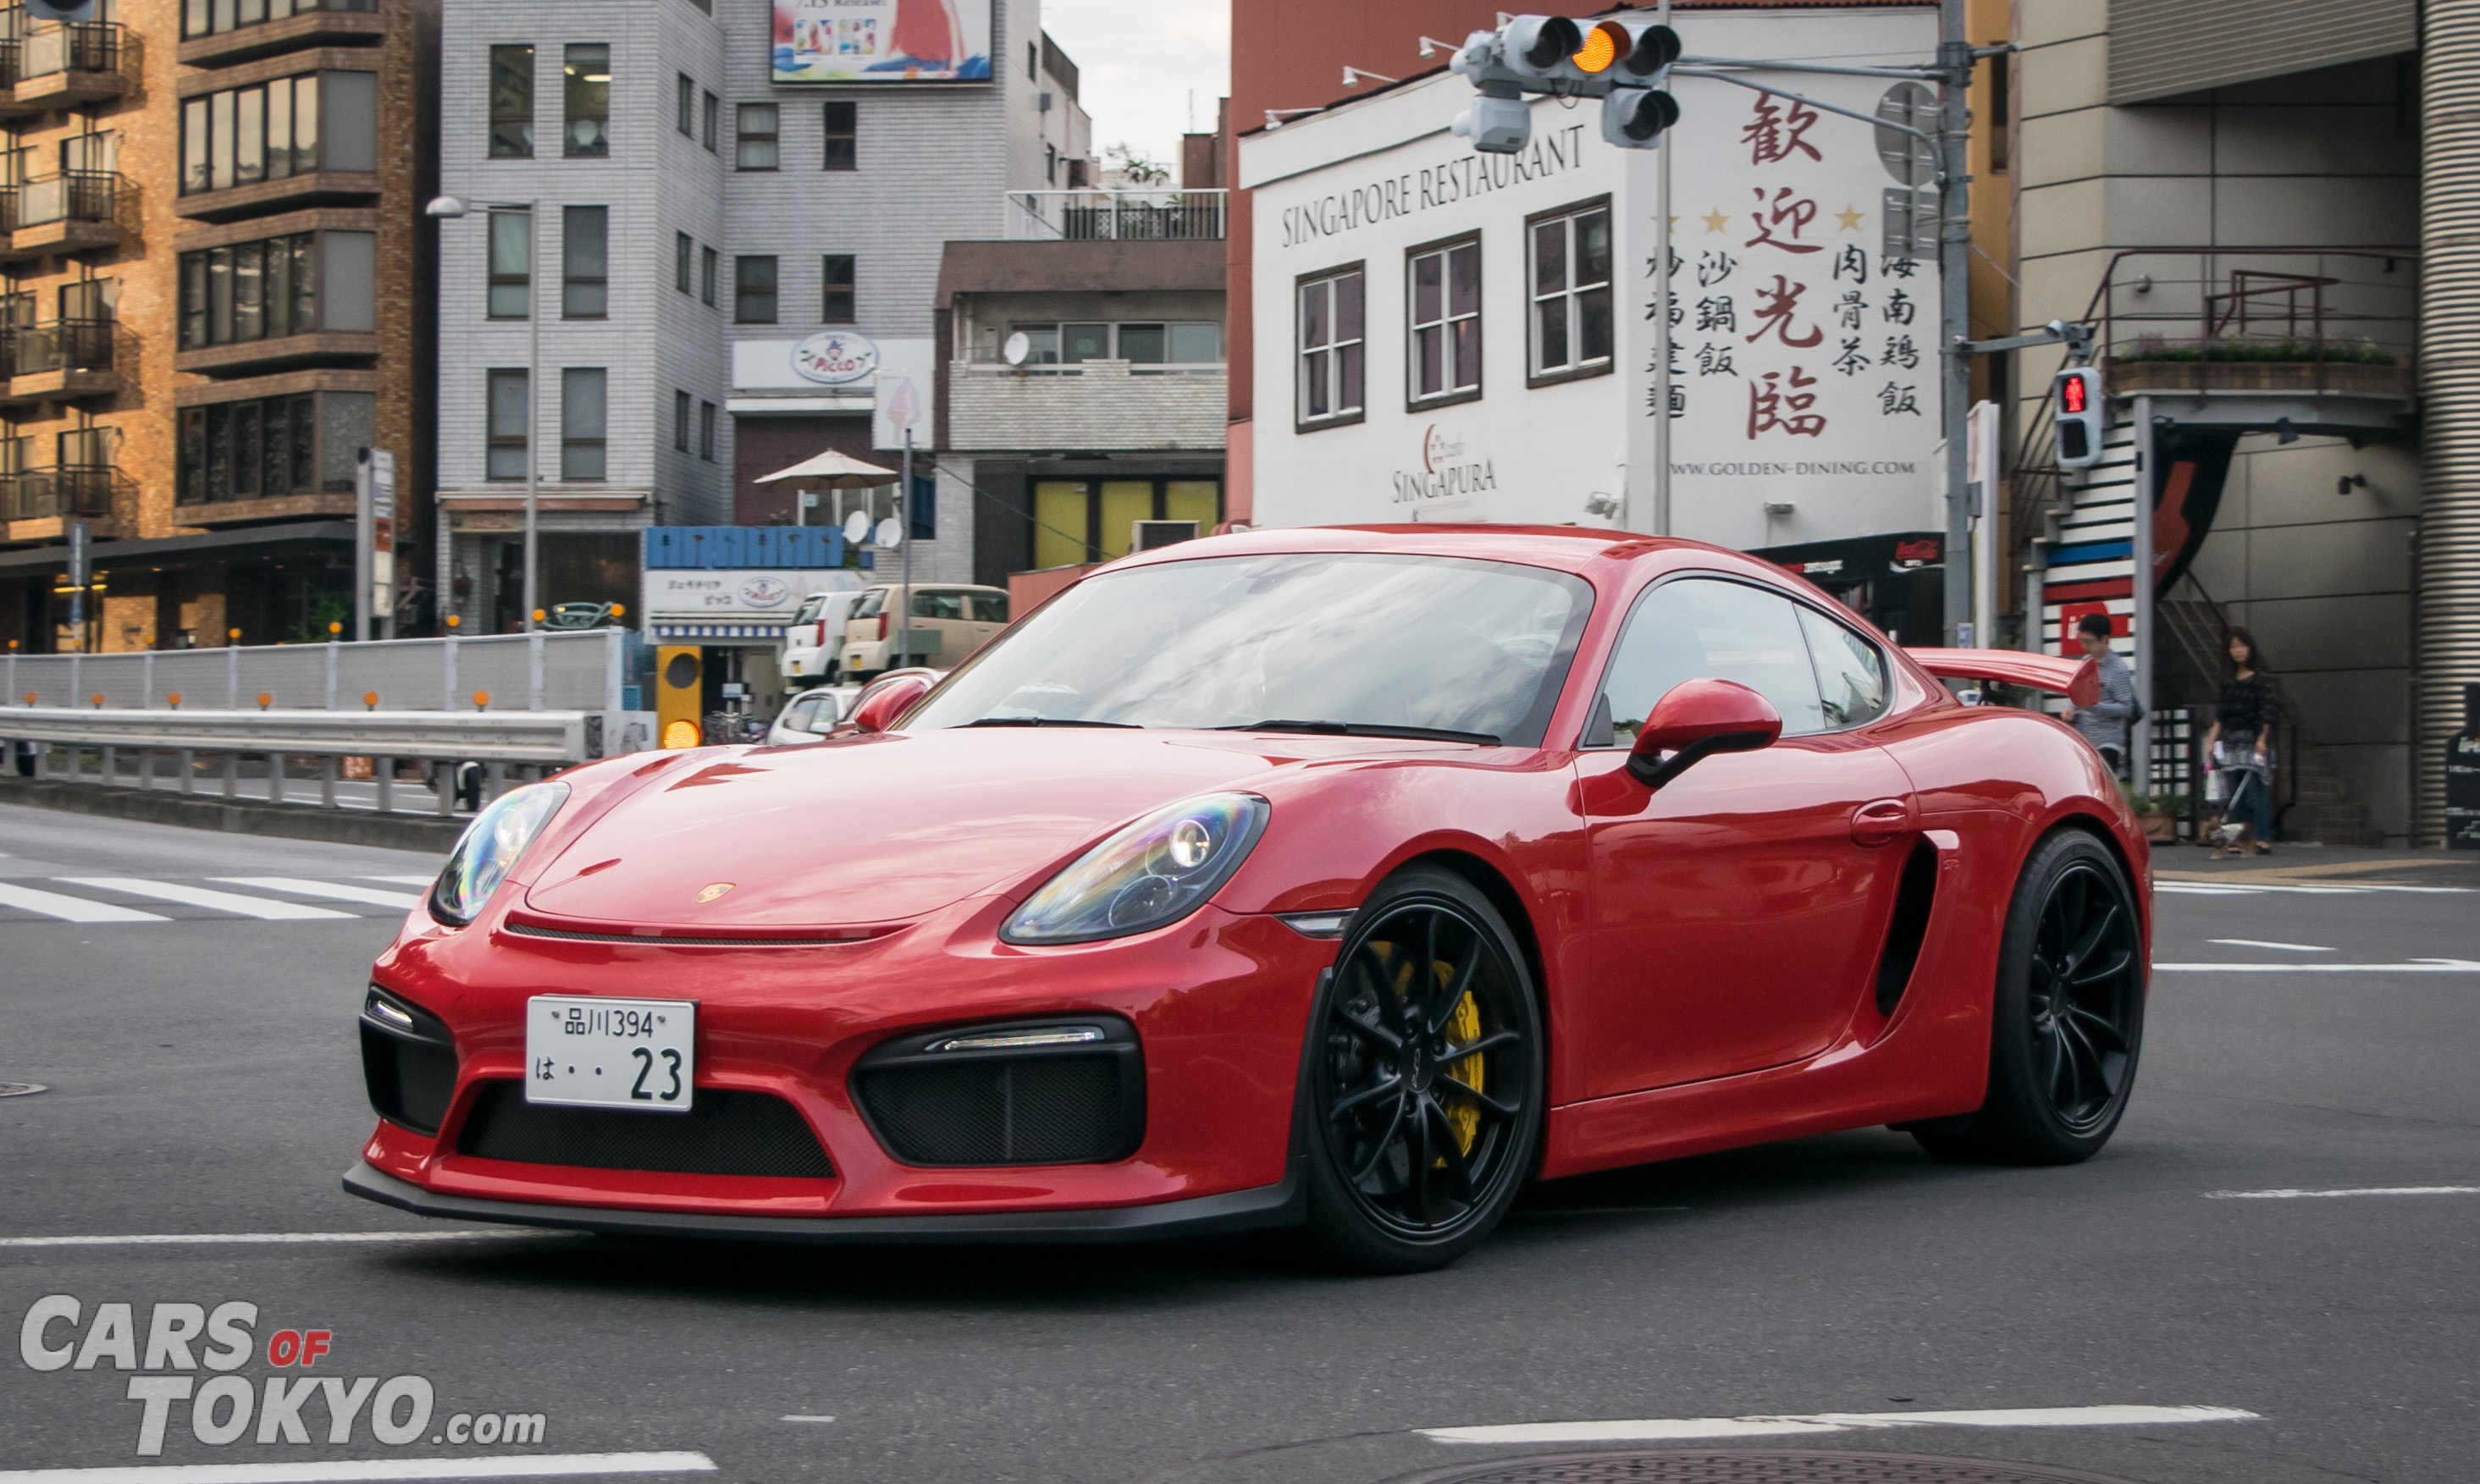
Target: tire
x=1422 y=1102
x=2067 y=1022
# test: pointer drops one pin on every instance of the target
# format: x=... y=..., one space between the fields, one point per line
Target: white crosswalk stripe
x=406 y=881
x=263 y=907
x=51 y=903
x=368 y=896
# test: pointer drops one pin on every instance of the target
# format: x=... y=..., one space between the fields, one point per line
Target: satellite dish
x=1018 y=345
x=890 y=534
x=857 y=527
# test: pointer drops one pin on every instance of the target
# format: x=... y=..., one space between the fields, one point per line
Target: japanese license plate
x=592 y=1051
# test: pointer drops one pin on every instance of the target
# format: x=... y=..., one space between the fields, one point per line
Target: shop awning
x=833 y=471
x=159 y=548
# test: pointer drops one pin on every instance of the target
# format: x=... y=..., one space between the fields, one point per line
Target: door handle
x=1879 y=821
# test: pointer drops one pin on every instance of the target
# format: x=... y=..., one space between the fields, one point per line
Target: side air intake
x=1910 y=926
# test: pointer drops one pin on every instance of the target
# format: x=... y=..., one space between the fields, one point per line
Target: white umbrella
x=833 y=471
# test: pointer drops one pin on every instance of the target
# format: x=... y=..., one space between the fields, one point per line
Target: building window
x=279 y=129
x=581 y=422
x=510 y=293
x=710 y=112
x=706 y=275
x=266 y=447
x=1571 y=293
x=513 y=102
x=215 y=17
x=754 y=136
x=1443 y=289
x=585 y=88
x=683 y=251
x=705 y=431
x=838 y=277
x=584 y=261
x=844 y=135
x=753 y=290
x=1329 y=324
x=684 y=106
x=508 y=415
x=2002 y=116
x=680 y=420
x=296 y=285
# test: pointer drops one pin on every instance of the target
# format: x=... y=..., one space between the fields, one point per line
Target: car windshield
x=1310 y=642
x=870 y=603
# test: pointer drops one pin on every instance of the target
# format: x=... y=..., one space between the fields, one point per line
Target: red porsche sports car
x=1344 y=879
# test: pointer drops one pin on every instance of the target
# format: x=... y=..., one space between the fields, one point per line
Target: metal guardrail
x=1162 y=214
x=578 y=672
x=476 y=736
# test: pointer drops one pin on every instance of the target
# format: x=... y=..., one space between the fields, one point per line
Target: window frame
x=599 y=284
x=494 y=117
x=706 y=430
x=684 y=91
x=494 y=278
x=292 y=291
x=849 y=137
x=707 y=273
x=743 y=290
x=1302 y=422
x=496 y=438
x=1597 y=717
x=683 y=259
x=1443 y=248
x=572 y=82
x=711 y=115
x=829 y=288
x=1574 y=371
x=680 y=420
x=309 y=445
x=600 y=442
x=742 y=137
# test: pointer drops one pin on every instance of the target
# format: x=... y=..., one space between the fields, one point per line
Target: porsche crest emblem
x=712 y=891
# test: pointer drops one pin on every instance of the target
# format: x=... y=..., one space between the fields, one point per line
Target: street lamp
x=449 y=208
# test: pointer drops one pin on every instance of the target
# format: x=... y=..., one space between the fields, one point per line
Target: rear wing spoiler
x=2076 y=680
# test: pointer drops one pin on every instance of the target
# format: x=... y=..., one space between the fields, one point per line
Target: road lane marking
x=514 y=1466
x=255 y=1239
x=2258 y=942
x=2257 y=889
x=2415 y=966
x=51 y=903
x=802 y=1417
x=2316 y=1196
x=406 y=881
x=1663 y=1429
x=368 y=896
x=261 y=907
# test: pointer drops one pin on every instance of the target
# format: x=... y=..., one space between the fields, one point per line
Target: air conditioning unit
x=1146 y=535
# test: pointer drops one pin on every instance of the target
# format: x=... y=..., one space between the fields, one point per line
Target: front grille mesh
x=723 y=1133
x=1038 y=1109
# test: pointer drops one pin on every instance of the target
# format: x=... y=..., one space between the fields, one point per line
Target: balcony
x=1095 y=405
x=292 y=25
x=35 y=504
x=76 y=211
x=64 y=66
x=1116 y=215
x=2322 y=341
x=59 y=362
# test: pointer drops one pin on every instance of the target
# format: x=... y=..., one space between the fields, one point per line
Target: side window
x=796 y=717
x=1697 y=628
x=1850 y=672
x=938 y=605
x=990 y=607
x=871 y=603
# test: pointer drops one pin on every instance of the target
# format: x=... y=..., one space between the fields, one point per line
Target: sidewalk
x=2308 y=866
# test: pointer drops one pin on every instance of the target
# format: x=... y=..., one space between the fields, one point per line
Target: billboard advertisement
x=882 y=42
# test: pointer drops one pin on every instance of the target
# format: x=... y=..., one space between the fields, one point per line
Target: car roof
x=1586 y=550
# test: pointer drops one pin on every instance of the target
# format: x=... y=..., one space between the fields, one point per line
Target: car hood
x=880 y=828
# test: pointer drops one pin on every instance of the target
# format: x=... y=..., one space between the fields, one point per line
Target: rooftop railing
x=1116 y=215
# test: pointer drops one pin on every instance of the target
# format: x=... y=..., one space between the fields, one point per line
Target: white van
x=815 y=637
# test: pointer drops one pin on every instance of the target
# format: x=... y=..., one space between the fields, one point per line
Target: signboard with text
x=882 y=42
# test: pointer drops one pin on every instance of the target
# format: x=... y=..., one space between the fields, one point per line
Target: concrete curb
x=427 y=833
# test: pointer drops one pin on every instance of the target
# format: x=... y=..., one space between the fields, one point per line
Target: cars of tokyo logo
x=835 y=357
x=1446 y=470
x=187 y=1362
x=764 y=592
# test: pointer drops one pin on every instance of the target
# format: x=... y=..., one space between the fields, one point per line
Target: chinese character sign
x=1804 y=366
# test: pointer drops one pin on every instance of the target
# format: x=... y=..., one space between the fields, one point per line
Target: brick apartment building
x=217 y=292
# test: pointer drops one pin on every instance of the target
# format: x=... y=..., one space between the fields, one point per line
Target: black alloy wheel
x=1425 y=1083
x=2067 y=1018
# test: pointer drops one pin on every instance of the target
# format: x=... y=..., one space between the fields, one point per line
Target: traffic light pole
x=1954 y=313
x=1662 y=328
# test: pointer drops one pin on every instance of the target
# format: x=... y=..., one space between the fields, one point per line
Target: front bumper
x=1281 y=1203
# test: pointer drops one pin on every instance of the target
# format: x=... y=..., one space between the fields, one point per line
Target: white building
x=1467 y=336
x=712 y=186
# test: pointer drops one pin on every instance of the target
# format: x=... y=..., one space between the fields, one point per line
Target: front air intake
x=1065 y=1092
x=723 y=1133
x=408 y=1061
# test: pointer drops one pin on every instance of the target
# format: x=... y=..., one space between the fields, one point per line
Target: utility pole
x=1662 y=342
x=904 y=534
x=1955 y=307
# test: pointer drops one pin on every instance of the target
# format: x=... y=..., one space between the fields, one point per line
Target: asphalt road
x=203 y=1080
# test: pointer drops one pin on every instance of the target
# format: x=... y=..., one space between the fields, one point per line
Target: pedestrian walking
x=2240 y=745
x=2104 y=723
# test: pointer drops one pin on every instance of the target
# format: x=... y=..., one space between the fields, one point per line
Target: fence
x=1116 y=215
x=574 y=672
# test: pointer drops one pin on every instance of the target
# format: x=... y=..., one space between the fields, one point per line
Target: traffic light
x=2075 y=405
x=1623 y=62
x=680 y=692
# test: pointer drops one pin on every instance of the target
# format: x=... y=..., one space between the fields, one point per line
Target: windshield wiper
x=1046 y=721
x=1365 y=729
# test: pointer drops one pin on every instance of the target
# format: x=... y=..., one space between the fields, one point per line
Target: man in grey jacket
x=2104 y=723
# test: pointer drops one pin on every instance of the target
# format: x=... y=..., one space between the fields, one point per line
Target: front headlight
x=489 y=849
x=1156 y=871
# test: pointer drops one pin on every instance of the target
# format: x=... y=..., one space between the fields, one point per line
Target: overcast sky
x=1138 y=63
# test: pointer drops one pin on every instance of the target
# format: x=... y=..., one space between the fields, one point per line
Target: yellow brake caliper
x=1464 y=1028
